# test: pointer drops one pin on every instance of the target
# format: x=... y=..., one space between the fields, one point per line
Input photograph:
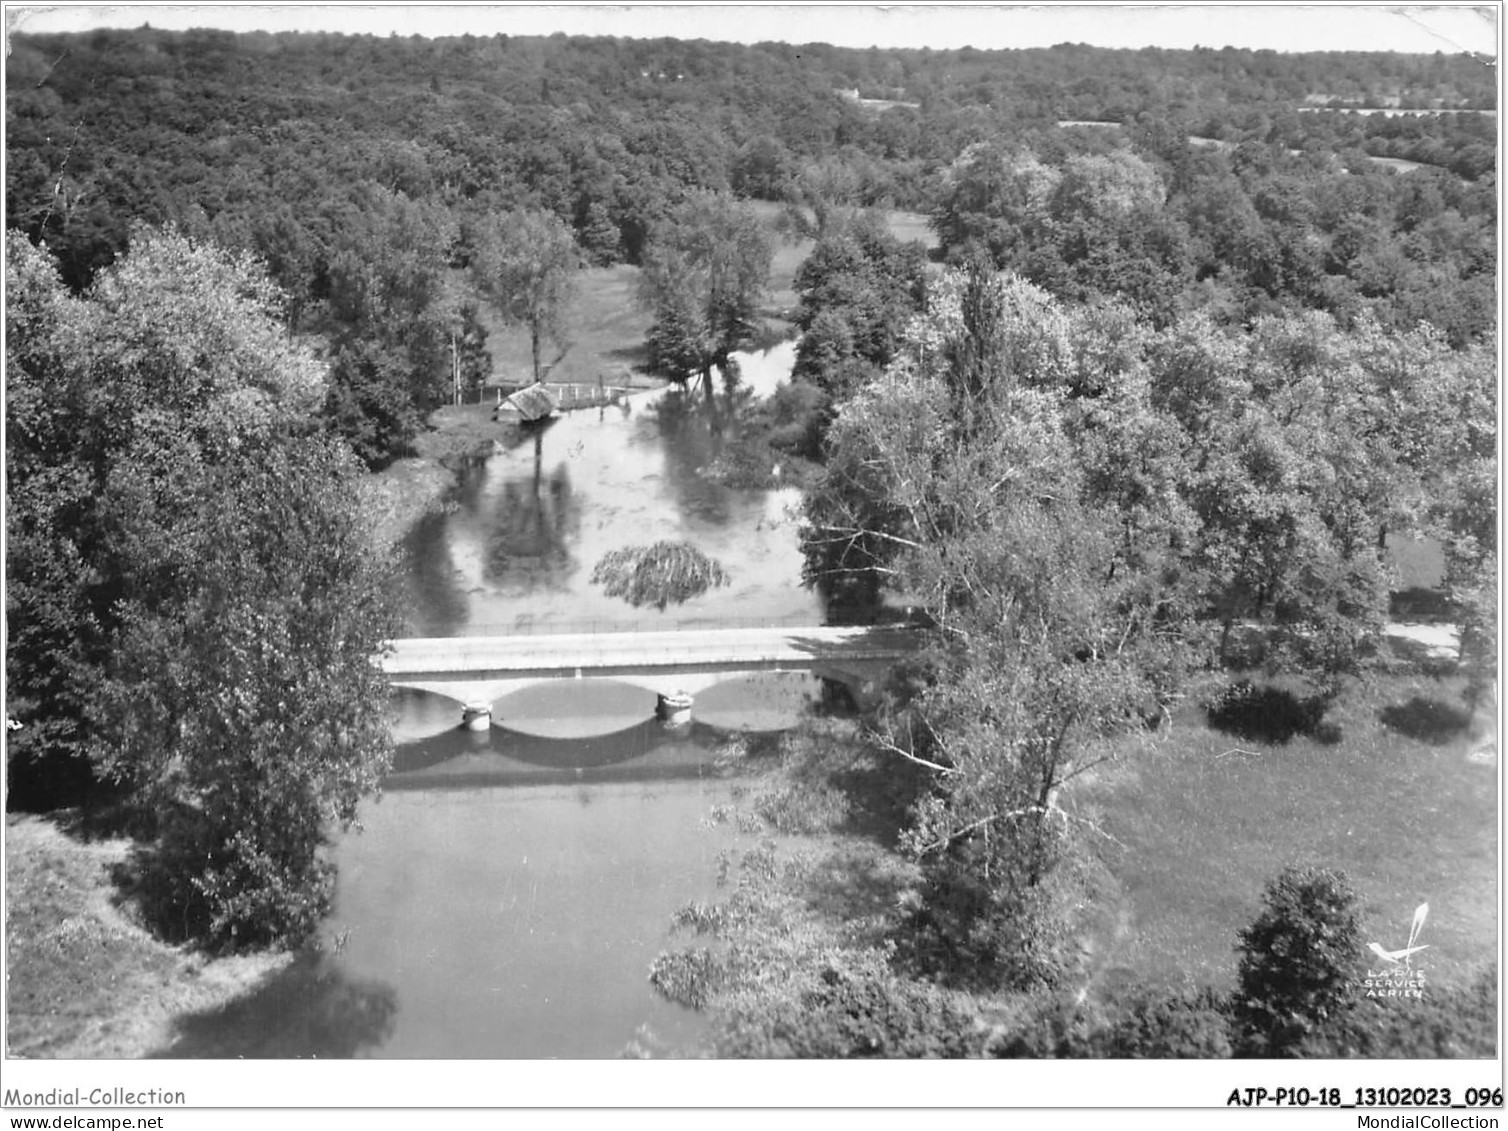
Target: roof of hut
x=532 y=403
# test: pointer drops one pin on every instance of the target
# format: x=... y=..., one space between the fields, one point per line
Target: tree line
x=1090 y=512
x=368 y=175
x=1092 y=518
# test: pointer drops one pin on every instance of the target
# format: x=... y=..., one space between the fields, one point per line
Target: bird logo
x=1405 y=956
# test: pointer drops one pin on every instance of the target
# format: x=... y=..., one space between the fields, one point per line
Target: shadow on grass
x=1427 y=720
x=1271 y=714
x=832 y=780
x=104 y=817
x=859 y=883
x=1421 y=604
x=883 y=790
x=635 y=356
x=308 y=1010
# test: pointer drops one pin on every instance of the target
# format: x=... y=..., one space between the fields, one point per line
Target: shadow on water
x=417 y=715
x=585 y=730
x=533 y=525
x=692 y=438
x=696 y=423
x=648 y=750
x=437 y=600
x=308 y=1010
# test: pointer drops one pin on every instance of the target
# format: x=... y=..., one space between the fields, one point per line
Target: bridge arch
x=473 y=670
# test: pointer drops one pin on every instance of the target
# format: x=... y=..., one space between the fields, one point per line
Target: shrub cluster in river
x=659 y=575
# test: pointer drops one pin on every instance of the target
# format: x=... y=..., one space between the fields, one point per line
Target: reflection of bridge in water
x=480 y=669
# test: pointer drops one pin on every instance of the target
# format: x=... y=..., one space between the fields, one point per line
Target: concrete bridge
x=476 y=670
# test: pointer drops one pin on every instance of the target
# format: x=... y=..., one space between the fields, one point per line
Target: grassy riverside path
x=83 y=979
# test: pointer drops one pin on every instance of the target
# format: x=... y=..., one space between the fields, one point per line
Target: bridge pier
x=674 y=710
x=476 y=715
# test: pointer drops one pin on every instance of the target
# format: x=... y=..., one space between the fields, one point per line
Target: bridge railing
x=529 y=626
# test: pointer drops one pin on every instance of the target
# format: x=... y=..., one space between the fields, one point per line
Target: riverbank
x=1397 y=789
x=84 y=979
x=401 y=494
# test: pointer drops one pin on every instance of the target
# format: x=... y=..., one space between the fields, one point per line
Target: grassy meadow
x=1397 y=788
x=607 y=327
x=605 y=331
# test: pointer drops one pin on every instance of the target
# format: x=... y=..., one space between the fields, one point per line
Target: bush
x=659 y=575
x=1451 y=1023
x=857 y=1013
x=1056 y=1030
x=232 y=891
x=971 y=932
x=1297 y=959
x=688 y=977
x=1181 y=1026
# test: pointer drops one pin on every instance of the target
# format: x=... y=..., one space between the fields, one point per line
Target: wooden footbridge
x=543 y=399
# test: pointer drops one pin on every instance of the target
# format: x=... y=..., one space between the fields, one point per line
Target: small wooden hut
x=528 y=405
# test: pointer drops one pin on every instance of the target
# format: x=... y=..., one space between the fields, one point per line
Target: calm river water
x=508 y=892
x=517 y=552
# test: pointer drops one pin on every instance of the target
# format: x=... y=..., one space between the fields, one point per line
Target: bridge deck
x=498 y=654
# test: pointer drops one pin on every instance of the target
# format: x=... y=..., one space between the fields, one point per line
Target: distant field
x=607 y=327
x=1397 y=164
x=789 y=255
x=1405 y=803
x=606 y=331
x=1420 y=562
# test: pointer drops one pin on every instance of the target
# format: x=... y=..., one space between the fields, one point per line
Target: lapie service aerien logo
x=1397 y=977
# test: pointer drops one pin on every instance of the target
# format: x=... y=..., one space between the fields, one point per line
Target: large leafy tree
x=705 y=270
x=526 y=263
x=1306 y=444
x=858 y=289
x=953 y=479
x=239 y=702
x=993 y=199
x=821 y=198
x=387 y=314
x=177 y=333
x=193 y=603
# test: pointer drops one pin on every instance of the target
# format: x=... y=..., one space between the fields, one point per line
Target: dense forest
x=362 y=170
x=1194 y=339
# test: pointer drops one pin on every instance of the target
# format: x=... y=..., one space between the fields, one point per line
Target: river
x=505 y=896
x=516 y=554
